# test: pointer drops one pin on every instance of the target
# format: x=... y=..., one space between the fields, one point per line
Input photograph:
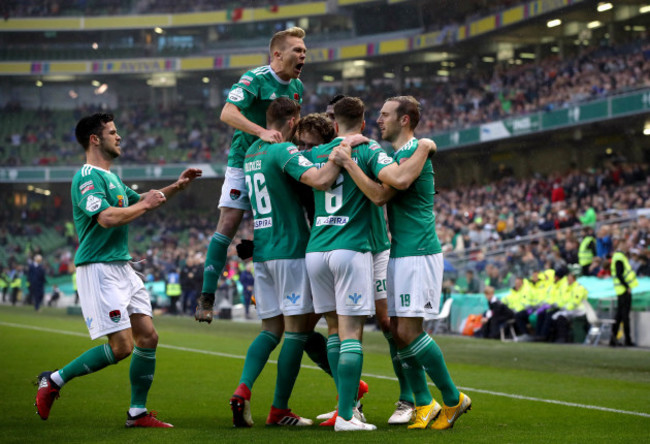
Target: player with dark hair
x=329 y=111
x=245 y=110
x=114 y=301
x=283 y=296
x=415 y=266
x=339 y=259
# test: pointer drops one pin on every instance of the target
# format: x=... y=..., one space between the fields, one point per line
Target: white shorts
x=109 y=294
x=282 y=287
x=233 y=192
x=414 y=285
x=341 y=281
x=380 y=268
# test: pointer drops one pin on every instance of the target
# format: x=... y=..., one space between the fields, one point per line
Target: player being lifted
x=245 y=110
x=339 y=258
x=283 y=296
x=415 y=266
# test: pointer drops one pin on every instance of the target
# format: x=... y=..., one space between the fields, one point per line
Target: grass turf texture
x=513 y=387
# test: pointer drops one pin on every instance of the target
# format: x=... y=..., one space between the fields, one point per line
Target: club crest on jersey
x=120 y=201
x=115 y=316
x=235 y=194
x=353 y=299
x=292 y=298
x=296 y=96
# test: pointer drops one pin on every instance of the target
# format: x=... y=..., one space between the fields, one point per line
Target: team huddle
x=321 y=249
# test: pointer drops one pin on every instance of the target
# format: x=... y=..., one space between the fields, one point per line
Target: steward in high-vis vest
x=587 y=251
x=173 y=290
x=624 y=281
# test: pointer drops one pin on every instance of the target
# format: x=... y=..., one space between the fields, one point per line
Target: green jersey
x=94 y=190
x=252 y=95
x=280 y=227
x=343 y=214
x=411 y=219
x=378 y=233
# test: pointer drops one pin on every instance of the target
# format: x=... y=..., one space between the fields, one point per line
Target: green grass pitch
x=521 y=392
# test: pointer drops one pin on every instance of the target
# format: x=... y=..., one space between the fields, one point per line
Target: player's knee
x=229 y=221
x=149 y=340
x=121 y=350
x=384 y=324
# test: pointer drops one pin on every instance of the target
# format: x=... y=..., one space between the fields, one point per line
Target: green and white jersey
x=343 y=218
x=252 y=95
x=94 y=190
x=411 y=219
x=280 y=227
x=378 y=233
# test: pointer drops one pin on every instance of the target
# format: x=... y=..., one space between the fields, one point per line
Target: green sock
x=417 y=380
x=333 y=353
x=349 y=373
x=88 y=362
x=316 y=349
x=141 y=371
x=215 y=260
x=288 y=367
x=256 y=357
x=405 y=392
x=428 y=355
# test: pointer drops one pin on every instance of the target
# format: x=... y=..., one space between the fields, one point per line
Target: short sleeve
x=92 y=194
x=244 y=92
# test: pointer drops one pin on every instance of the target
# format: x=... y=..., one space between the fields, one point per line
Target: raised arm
x=402 y=175
x=232 y=116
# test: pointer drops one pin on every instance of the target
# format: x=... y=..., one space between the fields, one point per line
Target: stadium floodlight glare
x=328 y=78
x=95 y=83
x=553 y=23
x=39 y=83
x=389 y=75
x=488 y=59
x=94 y=46
x=644 y=9
x=359 y=63
x=605 y=6
x=527 y=55
x=646 y=129
x=594 y=24
x=158 y=30
x=205 y=80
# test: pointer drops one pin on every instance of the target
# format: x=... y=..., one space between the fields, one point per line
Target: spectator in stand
x=604 y=242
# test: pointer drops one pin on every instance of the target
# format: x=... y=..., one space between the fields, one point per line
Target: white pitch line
x=369 y=375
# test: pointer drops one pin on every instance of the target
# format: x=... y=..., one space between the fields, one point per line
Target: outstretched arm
x=402 y=175
x=116 y=216
x=232 y=116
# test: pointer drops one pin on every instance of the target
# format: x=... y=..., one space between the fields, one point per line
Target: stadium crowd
x=479 y=96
